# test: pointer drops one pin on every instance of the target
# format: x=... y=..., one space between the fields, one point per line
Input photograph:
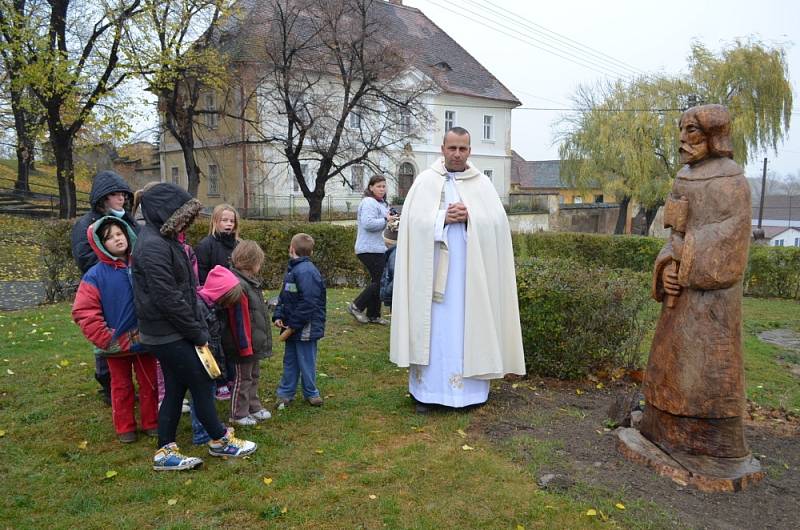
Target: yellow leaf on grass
x=83 y=444
x=284 y=509
x=10 y=371
x=520 y=527
x=64 y=362
x=2 y=433
x=462 y=433
x=466 y=447
x=620 y=506
x=267 y=481
x=319 y=451
x=515 y=385
x=172 y=502
x=578 y=391
x=111 y=473
x=373 y=497
x=188 y=481
x=591 y=512
x=599 y=386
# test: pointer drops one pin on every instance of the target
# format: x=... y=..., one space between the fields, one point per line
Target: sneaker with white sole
x=231 y=446
x=169 y=458
x=358 y=315
x=247 y=420
x=261 y=415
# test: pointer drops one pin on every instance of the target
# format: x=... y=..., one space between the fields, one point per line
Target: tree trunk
x=65 y=175
x=649 y=216
x=192 y=171
x=623 y=215
x=25 y=143
x=315 y=205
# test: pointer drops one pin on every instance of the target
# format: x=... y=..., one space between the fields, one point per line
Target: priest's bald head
x=456 y=149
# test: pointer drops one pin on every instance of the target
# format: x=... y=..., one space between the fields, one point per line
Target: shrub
x=773 y=271
x=59 y=273
x=333 y=248
x=578 y=319
x=618 y=252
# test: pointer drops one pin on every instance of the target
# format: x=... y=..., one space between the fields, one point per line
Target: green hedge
x=773 y=272
x=577 y=319
x=617 y=252
x=334 y=253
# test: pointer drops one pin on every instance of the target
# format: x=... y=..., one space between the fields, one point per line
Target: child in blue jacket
x=300 y=313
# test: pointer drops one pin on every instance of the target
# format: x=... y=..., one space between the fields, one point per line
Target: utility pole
x=758 y=233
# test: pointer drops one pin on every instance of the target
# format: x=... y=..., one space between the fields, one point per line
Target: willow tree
x=170 y=50
x=623 y=136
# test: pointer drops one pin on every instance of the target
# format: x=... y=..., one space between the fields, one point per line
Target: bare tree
x=335 y=92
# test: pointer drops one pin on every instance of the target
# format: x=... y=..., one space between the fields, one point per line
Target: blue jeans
x=199 y=434
x=299 y=361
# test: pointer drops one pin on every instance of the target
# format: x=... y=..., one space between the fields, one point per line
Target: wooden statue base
x=702 y=472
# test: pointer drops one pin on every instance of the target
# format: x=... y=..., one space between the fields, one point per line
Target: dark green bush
x=773 y=271
x=617 y=252
x=578 y=319
x=334 y=253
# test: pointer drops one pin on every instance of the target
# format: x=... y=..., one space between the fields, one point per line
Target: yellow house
x=543 y=177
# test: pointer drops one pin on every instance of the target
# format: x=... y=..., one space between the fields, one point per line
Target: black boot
x=105 y=391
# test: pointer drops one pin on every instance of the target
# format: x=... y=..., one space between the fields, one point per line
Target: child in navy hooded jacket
x=105 y=312
x=300 y=313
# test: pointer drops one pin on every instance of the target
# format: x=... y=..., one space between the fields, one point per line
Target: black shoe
x=105 y=391
x=421 y=408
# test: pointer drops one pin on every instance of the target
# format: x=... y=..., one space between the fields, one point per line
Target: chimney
x=396 y=2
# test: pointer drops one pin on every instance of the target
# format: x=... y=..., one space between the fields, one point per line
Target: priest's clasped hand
x=456 y=213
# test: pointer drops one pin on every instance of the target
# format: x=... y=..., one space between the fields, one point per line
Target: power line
x=558 y=37
x=527 y=40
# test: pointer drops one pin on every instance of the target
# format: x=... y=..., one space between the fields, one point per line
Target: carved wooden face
x=694 y=142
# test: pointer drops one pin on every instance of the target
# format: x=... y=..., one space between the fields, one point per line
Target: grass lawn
x=363 y=460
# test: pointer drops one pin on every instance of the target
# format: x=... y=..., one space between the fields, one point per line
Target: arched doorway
x=405 y=177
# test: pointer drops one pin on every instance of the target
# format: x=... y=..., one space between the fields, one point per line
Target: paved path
x=20 y=294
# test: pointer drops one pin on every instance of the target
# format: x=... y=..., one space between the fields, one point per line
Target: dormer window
x=443 y=66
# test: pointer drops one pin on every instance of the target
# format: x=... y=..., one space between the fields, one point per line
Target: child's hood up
x=218 y=282
x=93 y=235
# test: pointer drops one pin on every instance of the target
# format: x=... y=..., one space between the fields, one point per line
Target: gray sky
x=647 y=36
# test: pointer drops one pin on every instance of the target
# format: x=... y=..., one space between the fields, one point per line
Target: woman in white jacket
x=373 y=214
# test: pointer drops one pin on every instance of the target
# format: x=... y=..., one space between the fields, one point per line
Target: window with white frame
x=357 y=178
x=213 y=180
x=174 y=174
x=405 y=123
x=488 y=127
x=489 y=173
x=296 y=184
x=577 y=200
x=355 y=120
x=449 y=119
x=778 y=243
x=797 y=241
x=211 y=116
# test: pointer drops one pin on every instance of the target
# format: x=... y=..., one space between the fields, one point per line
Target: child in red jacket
x=105 y=312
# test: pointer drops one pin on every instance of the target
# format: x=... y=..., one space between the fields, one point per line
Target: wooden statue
x=694 y=383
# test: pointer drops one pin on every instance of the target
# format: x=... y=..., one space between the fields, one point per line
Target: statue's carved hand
x=669 y=279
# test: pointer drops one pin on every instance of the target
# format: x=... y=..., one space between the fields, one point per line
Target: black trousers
x=370 y=297
x=183 y=371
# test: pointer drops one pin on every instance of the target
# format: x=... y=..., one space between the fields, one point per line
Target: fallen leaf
x=591 y=512
x=172 y=502
x=373 y=497
x=83 y=444
x=111 y=473
x=599 y=386
x=189 y=481
x=322 y=374
x=620 y=506
x=267 y=481
x=578 y=391
x=319 y=451
x=9 y=371
x=2 y=433
x=284 y=509
x=466 y=447
x=520 y=527
x=515 y=385
x=462 y=433
x=64 y=362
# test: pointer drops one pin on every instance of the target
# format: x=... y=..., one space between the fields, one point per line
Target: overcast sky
x=645 y=35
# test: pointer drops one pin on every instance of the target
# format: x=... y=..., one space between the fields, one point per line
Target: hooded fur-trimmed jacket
x=103 y=306
x=164 y=285
x=104 y=183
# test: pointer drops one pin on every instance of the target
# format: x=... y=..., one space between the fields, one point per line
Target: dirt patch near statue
x=560 y=433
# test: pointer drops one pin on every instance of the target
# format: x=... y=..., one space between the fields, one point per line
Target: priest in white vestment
x=455 y=317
